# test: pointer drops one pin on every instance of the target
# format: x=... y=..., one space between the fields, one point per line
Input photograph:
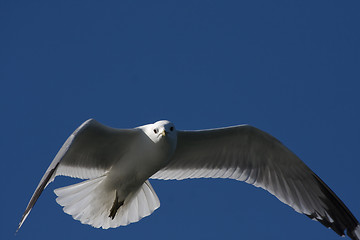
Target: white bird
x=117 y=164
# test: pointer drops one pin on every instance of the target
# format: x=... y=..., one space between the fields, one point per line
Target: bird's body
x=117 y=164
x=139 y=163
x=117 y=188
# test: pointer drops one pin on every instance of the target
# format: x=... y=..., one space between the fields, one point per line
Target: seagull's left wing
x=88 y=153
x=248 y=154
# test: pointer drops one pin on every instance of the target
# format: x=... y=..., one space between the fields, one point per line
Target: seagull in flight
x=116 y=165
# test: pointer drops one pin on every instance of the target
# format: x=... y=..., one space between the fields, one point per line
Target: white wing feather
x=248 y=154
x=88 y=153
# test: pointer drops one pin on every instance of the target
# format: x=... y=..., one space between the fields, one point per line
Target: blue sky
x=290 y=68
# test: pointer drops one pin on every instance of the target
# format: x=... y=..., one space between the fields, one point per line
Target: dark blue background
x=290 y=68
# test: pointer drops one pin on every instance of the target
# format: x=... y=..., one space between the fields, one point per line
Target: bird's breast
x=139 y=163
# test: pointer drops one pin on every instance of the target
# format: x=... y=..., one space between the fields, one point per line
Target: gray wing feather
x=89 y=152
x=248 y=154
x=94 y=150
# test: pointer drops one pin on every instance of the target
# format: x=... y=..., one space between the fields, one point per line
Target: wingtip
x=19 y=226
x=17 y=230
x=22 y=221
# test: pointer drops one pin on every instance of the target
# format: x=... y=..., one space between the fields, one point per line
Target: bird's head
x=161 y=132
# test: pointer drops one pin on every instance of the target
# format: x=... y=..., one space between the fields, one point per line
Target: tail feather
x=90 y=203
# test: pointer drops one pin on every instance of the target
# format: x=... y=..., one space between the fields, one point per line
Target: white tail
x=90 y=203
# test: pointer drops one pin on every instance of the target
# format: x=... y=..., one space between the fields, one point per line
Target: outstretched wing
x=248 y=154
x=89 y=152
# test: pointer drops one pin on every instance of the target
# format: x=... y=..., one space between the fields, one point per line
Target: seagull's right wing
x=89 y=152
x=248 y=154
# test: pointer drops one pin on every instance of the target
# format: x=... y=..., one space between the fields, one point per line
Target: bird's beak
x=163 y=133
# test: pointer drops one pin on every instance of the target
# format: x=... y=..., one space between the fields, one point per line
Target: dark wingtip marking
x=343 y=218
x=35 y=197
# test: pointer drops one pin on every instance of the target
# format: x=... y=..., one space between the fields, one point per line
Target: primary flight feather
x=117 y=164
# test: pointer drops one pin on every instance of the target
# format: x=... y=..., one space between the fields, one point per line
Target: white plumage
x=119 y=162
x=89 y=203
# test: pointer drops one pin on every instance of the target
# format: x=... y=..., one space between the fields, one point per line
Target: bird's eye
x=156 y=130
x=171 y=128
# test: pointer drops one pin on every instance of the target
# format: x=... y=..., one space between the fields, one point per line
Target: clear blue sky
x=290 y=68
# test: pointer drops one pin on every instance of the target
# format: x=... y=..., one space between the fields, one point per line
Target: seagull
x=116 y=165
